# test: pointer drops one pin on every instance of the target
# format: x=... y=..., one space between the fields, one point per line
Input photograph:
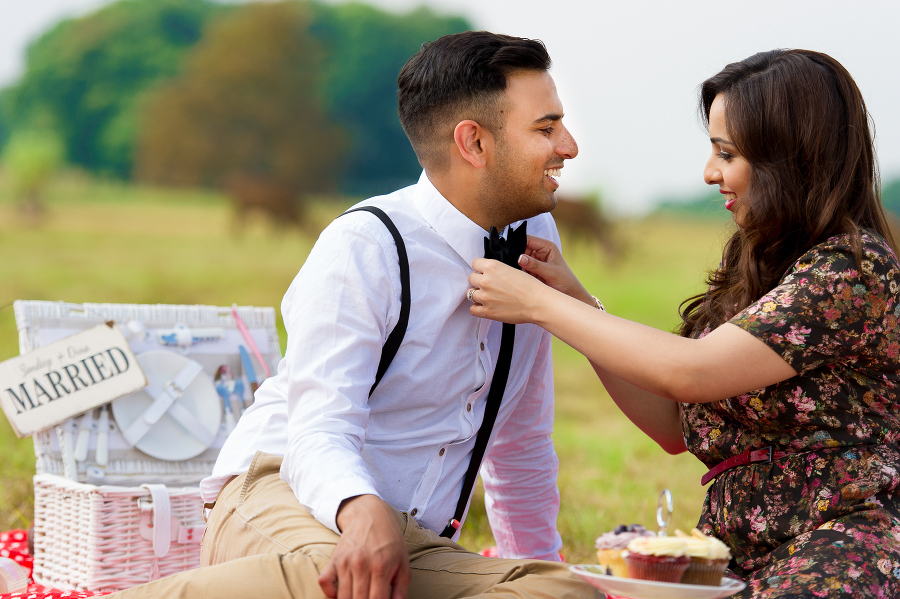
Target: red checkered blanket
x=14 y=545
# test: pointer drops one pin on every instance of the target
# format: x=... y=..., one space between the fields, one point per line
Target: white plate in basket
x=166 y=439
x=650 y=589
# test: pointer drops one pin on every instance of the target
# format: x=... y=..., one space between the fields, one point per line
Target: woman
x=784 y=379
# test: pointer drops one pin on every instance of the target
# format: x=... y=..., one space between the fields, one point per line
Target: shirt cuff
x=325 y=504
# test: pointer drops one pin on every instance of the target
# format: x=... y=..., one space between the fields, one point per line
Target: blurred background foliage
x=269 y=102
x=283 y=98
x=31 y=158
x=86 y=76
x=246 y=113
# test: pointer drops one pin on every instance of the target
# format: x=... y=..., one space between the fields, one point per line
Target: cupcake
x=709 y=558
x=610 y=546
x=661 y=559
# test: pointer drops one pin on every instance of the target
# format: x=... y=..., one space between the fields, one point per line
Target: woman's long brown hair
x=799 y=119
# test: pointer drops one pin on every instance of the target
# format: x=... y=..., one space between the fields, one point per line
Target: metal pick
x=664 y=511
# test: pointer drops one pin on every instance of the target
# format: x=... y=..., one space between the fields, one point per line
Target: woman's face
x=725 y=167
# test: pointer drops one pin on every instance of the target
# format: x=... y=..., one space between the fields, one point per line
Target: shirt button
x=414 y=512
x=482 y=346
x=441 y=452
x=468 y=407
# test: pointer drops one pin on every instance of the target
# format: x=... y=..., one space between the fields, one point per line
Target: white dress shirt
x=410 y=443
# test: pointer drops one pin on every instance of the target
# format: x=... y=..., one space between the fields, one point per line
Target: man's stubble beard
x=509 y=197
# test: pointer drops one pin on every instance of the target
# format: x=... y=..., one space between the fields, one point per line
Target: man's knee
x=461 y=574
x=554 y=579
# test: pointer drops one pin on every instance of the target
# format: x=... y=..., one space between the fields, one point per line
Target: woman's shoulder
x=836 y=255
x=876 y=247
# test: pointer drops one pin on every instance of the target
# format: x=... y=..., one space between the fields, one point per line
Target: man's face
x=531 y=146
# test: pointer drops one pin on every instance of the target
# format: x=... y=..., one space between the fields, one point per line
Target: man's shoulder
x=358 y=249
x=398 y=207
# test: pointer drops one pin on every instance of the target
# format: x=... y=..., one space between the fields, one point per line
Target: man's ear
x=474 y=143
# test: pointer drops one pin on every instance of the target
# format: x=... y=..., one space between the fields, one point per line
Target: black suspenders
x=396 y=337
x=498 y=383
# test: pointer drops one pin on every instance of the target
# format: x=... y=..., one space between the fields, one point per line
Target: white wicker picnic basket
x=145 y=519
x=40 y=323
x=107 y=538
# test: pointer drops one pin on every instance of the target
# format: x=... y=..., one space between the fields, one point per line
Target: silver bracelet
x=598 y=304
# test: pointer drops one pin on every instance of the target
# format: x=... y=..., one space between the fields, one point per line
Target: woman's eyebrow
x=722 y=140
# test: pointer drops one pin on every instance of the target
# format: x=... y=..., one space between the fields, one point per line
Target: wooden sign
x=69 y=377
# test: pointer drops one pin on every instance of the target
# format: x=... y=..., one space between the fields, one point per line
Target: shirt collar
x=462 y=234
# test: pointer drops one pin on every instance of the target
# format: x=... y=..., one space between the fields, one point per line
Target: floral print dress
x=824 y=521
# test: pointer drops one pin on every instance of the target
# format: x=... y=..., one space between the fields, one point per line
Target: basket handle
x=161 y=520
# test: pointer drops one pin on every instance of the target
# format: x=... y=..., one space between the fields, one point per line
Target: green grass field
x=105 y=242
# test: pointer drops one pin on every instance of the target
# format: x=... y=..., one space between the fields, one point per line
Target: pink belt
x=752 y=456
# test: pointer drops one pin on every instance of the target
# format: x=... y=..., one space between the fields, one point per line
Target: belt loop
x=208 y=507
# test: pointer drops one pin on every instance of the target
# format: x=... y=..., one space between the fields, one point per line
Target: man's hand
x=370 y=561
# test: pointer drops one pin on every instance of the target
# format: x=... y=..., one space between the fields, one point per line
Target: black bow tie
x=506 y=250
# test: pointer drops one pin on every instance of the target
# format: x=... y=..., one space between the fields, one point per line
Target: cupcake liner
x=707 y=572
x=661 y=568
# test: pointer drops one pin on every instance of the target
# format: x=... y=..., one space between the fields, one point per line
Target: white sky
x=628 y=71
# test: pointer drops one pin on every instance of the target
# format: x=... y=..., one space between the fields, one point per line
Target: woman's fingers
x=479 y=264
x=500 y=292
x=540 y=248
x=531 y=265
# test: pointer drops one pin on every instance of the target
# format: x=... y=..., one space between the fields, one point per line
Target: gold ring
x=471 y=295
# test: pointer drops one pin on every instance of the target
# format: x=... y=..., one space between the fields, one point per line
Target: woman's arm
x=657 y=417
x=725 y=363
x=643 y=369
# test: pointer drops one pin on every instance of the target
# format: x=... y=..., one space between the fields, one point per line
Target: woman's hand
x=504 y=293
x=543 y=260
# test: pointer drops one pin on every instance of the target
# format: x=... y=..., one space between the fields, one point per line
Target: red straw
x=245 y=333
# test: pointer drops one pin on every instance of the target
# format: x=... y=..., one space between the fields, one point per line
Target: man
x=324 y=488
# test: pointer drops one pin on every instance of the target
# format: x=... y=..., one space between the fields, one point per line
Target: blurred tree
x=246 y=114
x=93 y=74
x=890 y=196
x=30 y=159
x=90 y=73
x=4 y=125
x=366 y=48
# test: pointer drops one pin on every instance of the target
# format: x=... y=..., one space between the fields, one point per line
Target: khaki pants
x=260 y=543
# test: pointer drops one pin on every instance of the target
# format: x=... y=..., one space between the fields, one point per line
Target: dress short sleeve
x=827 y=309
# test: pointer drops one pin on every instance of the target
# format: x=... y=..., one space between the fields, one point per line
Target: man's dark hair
x=458 y=77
